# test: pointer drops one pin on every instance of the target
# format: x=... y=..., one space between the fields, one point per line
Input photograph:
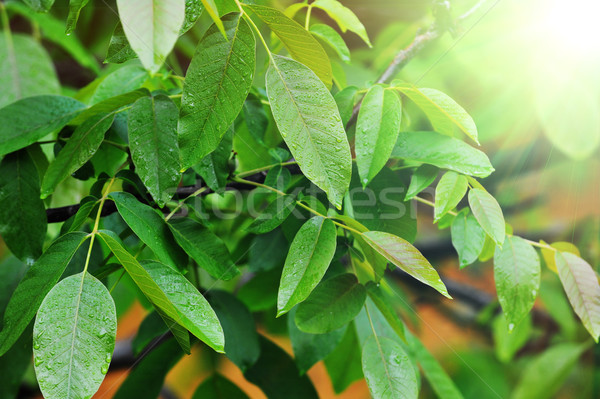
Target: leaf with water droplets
x=388 y=370
x=39 y=5
x=377 y=130
x=450 y=190
x=517 y=277
x=216 y=84
x=152 y=126
x=75 y=7
x=207 y=249
x=444 y=113
x=151 y=228
x=301 y=45
x=74 y=337
x=193 y=309
x=273 y=215
x=488 y=213
x=309 y=121
x=82 y=145
x=307 y=261
x=408 y=258
x=37 y=282
x=152 y=28
x=581 y=285
x=22 y=214
x=332 y=305
x=26 y=121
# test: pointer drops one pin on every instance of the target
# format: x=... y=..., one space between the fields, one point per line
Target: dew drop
x=511 y=326
x=38 y=361
x=104 y=369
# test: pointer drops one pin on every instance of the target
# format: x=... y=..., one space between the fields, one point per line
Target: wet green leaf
x=450 y=190
x=82 y=145
x=377 y=130
x=468 y=237
x=442 y=151
x=150 y=227
x=74 y=337
x=208 y=250
x=402 y=254
x=22 y=212
x=309 y=257
x=309 y=122
x=152 y=127
x=517 y=277
x=26 y=121
x=217 y=83
x=488 y=213
x=302 y=47
x=331 y=305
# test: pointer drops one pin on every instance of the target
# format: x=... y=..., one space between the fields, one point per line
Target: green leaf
x=74 y=337
x=255 y=117
x=344 y=17
x=543 y=376
x=309 y=122
x=110 y=105
x=218 y=387
x=383 y=304
x=380 y=207
x=152 y=126
x=39 y=5
x=148 y=376
x=216 y=84
x=451 y=188
x=26 y=121
x=54 y=30
x=517 y=276
x=82 y=145
x=193 y=309
x=208 y=250
x=377 y=130
x=273 y=215
x=34 y=286
x=442 y=151
x=402 y=254
x=420 y=180
x=331 y=305
x=488 y=213
x=445 y=115
x=388 y=370
x=13 y=366
x=301 y=45
x=241 y=340
x=152 y=28
x=309 y=257
x=193 y=11
x=508 y=342
x=439 y=380
x=374 y=258
x=330 y=36
x=119 y=50
x=344 y=363
x=25 y=69
x=345 y=102
x=75 y=7
x=581 y=285
x=277 y=375
x=468 y=237
x=124 y=80
x=311 y=348
x=150 y=227
x=22 y=212
x=214 y=168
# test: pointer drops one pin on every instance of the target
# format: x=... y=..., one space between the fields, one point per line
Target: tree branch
x=405 y=55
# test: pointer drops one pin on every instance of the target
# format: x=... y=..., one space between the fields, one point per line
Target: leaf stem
x=307 y=21
x=257 y=170
x=97 y=222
